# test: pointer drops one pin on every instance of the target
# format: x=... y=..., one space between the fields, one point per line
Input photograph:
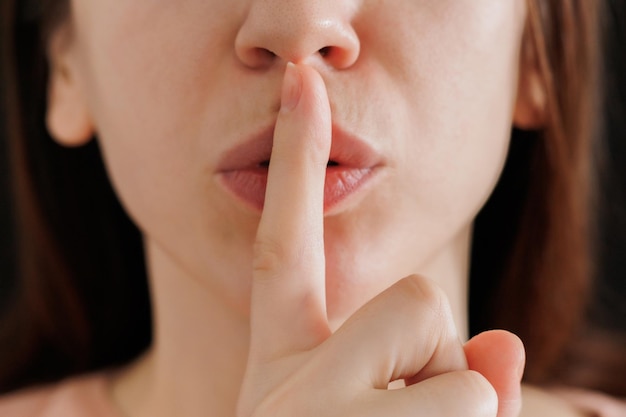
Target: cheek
x=145 y=70
x=445 y=97
x=161 y=89
x=166 y=103
x=460 y=108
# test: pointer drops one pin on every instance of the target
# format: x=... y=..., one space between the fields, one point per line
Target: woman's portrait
x=278 y=208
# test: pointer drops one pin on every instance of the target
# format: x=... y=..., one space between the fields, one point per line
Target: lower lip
x=249 y=185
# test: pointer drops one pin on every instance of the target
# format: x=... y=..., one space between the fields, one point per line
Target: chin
x=348 y=288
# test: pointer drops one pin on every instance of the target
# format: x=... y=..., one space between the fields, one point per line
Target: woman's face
x=171 y=87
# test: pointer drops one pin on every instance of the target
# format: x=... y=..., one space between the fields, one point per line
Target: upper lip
x=347 y=150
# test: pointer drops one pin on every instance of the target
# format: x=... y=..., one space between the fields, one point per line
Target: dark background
x=610 y=306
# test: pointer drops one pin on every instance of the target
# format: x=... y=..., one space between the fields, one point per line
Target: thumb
x=499 y=356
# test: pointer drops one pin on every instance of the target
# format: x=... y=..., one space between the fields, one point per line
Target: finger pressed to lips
x=288 y=310
x=405 y=332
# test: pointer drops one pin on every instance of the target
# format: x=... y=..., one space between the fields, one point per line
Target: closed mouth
x=244 y=168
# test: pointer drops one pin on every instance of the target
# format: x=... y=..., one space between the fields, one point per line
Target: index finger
x=288 y=310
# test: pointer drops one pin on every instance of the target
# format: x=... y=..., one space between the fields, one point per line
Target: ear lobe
x=67 y=118
x=531 y=106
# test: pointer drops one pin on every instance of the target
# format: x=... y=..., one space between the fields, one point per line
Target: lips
x=352 y=163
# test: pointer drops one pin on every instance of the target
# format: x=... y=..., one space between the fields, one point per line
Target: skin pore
x=169 y=88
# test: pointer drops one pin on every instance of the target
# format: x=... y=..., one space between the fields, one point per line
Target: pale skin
x=297 y=311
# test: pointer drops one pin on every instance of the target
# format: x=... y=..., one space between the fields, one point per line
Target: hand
x=296 y=367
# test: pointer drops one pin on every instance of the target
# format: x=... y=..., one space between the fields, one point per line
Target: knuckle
x=424 y=290
x=424 y=294
x=268 y=254
x=425 y=306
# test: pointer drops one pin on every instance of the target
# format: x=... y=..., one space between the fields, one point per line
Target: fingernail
x=292 y=88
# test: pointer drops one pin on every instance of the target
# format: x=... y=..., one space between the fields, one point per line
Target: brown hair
x=81 y=302
x=545 y=284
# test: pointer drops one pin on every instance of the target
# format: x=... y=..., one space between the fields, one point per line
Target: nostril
x=258 y=57
x=325 y=51
x=264 y=39
x=268 y=53
x=339 y=57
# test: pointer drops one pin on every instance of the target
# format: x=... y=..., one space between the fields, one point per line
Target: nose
x=298 y=31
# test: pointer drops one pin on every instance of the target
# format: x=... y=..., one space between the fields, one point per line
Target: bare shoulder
x=28 y=402
x=85 y=395
x=539 y=403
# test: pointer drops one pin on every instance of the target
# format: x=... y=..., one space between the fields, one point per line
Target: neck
x=449 y=268
x=197 y=359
